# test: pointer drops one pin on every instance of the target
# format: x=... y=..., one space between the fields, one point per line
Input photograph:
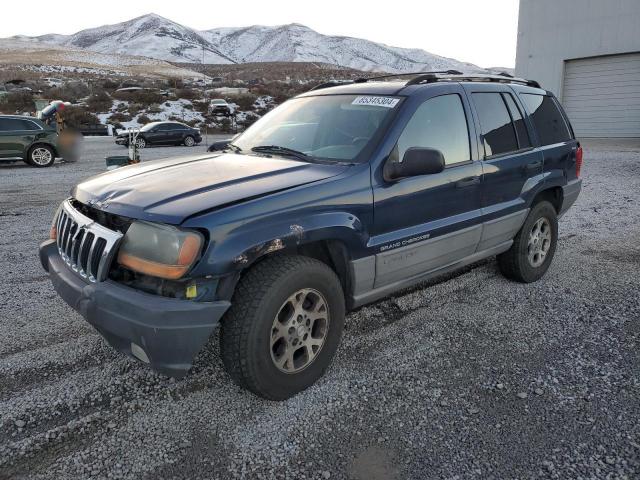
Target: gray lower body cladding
x=166 y=333
x=384 y=273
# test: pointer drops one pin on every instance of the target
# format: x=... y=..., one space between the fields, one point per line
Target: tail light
x=578 y=161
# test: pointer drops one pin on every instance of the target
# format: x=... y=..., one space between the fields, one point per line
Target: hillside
x=160 y=38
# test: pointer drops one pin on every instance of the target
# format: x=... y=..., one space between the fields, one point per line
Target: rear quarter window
x=547 y=119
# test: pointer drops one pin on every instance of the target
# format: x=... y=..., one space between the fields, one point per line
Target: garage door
x=602 y=95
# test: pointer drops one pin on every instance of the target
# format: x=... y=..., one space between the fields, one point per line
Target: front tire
x=189 y=141
x=141 y=143
x=534 y=246
x=284 y=326
x=41 y=156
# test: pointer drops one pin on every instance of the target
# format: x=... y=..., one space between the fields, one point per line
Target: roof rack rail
x=506 y=78
x=331 y=83
x=393 y=75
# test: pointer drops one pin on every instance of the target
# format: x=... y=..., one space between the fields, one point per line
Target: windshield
x=334 y=127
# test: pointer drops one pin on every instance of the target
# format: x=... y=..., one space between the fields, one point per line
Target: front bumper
x=165 y=333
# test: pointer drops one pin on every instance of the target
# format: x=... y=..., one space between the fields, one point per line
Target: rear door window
x=498 y=132
x=547 y=119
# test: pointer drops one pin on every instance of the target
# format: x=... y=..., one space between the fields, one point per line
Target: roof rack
x=394 y=75
x=437 y=76
x=500 y=78
x=331 y=83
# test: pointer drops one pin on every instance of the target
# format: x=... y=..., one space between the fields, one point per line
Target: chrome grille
x=85 y=246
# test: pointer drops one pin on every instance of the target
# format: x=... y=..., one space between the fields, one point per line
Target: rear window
x=547 y=118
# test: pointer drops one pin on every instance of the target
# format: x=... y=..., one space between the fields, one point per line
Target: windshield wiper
x=231 y=146
x=278 y=150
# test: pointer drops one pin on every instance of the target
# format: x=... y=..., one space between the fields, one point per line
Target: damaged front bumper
x=164 y=332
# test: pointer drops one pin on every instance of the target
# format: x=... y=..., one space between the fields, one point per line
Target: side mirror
x=218 y=146
x=416 y=161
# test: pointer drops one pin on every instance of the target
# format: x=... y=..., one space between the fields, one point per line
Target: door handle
x=534 y=165
x=468 y=182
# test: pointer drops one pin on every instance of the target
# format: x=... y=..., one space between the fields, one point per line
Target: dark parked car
x=28 y=139
x=339 y=197
x=163 y=133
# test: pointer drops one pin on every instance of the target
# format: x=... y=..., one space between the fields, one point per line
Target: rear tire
x=41 y=156
x=284 y=326
x=534 y=246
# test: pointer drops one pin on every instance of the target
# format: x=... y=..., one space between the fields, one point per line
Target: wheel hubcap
x=140 y=143
x=189 y=142
x=41 y=156
x=539 y=242
x=299 y=330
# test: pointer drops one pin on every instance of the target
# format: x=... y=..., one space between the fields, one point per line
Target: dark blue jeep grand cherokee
x=336 y=198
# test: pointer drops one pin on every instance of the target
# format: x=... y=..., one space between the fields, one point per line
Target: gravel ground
x=473 y=377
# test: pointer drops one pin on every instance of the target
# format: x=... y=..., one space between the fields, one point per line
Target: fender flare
x=242 y=247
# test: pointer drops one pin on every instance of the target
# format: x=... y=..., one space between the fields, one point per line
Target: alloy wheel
x=41 y=156
x=299 y=330
x=539 y=242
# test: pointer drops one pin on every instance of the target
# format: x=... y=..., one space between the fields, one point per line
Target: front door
x=427 y=222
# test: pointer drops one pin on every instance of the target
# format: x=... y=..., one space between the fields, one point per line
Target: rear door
x=158 y=135
x=178 y=132
x=511 y=166
x=553 y=134
x=427 y=222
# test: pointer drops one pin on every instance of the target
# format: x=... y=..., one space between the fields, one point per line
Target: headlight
x=159 y=250
x=53 y=230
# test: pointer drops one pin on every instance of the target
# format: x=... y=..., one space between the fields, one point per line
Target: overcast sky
x=478 y=31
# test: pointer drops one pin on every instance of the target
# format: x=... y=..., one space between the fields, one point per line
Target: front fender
x=242 y=247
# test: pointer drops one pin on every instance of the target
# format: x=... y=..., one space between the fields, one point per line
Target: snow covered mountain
x=157 y=37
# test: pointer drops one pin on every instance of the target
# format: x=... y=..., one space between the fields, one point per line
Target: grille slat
x=78 y=234
x=91 y=271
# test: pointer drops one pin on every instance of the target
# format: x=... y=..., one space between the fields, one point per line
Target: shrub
x=143 y=120
x=188 y=93
x=109 y=85
x=119 y=117
x=142 y=97
x=69 y=92
x=17 y=102
x=246 y=101
x=77 y=116
x=99 y=102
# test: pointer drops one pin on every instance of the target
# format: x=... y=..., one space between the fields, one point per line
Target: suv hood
x=171 y=190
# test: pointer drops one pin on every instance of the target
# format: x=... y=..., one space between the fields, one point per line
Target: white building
x=587 y=52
